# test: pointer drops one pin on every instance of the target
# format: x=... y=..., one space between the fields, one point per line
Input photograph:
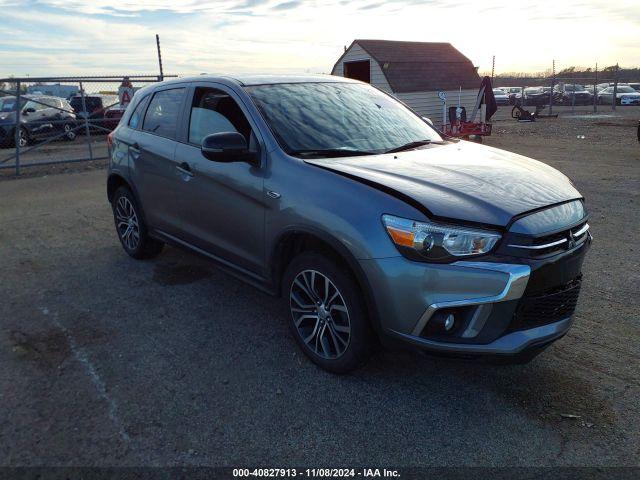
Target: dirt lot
x=108 y=361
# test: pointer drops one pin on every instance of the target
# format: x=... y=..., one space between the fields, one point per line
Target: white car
x=625 y=95
x=501 y=96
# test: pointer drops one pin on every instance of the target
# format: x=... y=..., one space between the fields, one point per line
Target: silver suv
x=373 y=226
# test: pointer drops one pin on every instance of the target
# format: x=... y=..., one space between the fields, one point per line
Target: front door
x=222 y=204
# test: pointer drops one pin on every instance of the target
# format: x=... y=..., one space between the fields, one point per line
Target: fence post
x=595 y=91
x=16 y=133
x=553 y=80
x=86 y=121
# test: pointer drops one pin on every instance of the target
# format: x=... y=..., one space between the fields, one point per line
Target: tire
x=127 y=216
x=331 y=326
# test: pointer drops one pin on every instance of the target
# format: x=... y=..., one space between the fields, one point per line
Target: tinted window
x=213 y=111
x=162 y=114
x=134 y=121
x=76 y=103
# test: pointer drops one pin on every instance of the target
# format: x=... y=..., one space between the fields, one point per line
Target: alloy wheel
x=69 y=133
x=22 y=138
x=127 y=223
x=320 y=314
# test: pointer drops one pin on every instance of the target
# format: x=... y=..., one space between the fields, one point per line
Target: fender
x=342 y=250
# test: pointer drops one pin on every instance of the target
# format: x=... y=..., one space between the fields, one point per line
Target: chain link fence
x=61 y=120
x=579 y=92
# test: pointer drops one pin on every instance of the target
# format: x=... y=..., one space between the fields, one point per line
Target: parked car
x=95 y=108
x=625 y=95
x=501 y=96
x=368 y=222
x=41 y=117
x=564 y=94
x=515 y=94
x=602 y=86
x=112 y=116
x=535 y=96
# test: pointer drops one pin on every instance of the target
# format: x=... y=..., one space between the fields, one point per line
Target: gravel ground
x=109 y=361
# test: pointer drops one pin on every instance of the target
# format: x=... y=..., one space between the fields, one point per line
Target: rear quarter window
x=136 y=116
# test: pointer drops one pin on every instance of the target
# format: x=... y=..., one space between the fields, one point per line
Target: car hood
x=629 y=94
x=461 y=181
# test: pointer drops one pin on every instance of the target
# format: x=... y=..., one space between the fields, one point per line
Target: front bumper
x=492 y=300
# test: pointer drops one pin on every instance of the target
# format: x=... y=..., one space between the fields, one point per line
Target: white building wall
x=356 y=53
x=427 y=104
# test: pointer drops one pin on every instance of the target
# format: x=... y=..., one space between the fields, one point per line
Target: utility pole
x=493 y=68
x=159 y=57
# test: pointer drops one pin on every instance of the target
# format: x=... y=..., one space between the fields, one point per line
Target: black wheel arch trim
x=123 y=179
x=336 y=244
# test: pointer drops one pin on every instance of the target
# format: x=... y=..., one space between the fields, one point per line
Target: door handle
x=185 y=169
x=135 y=146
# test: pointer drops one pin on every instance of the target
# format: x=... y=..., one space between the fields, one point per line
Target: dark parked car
x=565 y=94
x=41 y=117
x=370 y=224
x=535 y=96
x=96 y=108
x=625 y=95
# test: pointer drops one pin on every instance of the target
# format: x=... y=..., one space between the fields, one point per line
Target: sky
x=89 y=37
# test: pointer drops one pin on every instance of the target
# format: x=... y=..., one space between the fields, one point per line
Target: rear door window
x=163 y=111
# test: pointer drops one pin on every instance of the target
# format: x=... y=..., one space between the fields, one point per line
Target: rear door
x=152 y=161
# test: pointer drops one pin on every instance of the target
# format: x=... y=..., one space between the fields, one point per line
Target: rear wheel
x=131 y=228
x=328 y=315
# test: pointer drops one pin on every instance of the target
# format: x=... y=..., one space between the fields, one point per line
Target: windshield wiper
x=410 y=145
x=330 y=152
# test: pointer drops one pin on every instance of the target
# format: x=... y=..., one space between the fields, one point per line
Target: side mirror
x=428 y=120
x=28 y=110
x=227 y=147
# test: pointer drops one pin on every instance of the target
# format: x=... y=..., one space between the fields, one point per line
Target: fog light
x=449 y=322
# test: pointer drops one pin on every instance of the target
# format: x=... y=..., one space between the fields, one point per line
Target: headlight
x=437 y=242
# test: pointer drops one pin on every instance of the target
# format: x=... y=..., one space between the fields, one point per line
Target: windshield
x=533 y=90
x=624 y=89
x=338 y=116
x=573 y=88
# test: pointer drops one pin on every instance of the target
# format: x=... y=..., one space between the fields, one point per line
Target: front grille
x=551 y=244
x=547 y=307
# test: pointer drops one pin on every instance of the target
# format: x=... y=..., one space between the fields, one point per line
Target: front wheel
x=69 y=132
x=328 y=315
x=23 y=137
x=131 y=228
